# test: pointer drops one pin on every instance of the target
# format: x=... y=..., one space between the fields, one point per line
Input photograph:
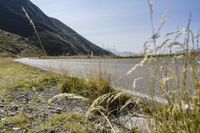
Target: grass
x=182 y=114
x=91 y=89
x=61 y=122
x=30 y=106
x=113 y=104
x=19 y=120
x=15 y=76
x=68 y=122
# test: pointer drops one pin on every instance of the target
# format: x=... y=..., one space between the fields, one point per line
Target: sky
x=120 y=24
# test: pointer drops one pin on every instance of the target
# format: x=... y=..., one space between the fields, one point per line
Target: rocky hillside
x=57 y=38
x=12 y=45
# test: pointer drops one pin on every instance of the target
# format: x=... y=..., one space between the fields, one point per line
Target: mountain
x=57 y=38
x=124 y=53
x=12 y=45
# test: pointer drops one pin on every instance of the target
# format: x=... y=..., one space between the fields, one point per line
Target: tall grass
x=177 y=79
x=35 y=30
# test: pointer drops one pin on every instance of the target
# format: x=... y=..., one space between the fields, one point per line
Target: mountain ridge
x=57 y=38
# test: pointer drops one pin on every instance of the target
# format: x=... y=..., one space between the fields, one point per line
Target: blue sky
x=124 y=24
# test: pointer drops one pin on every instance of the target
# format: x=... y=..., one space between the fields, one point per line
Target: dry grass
x=35 y=30
x=112 y=105
x=69 y=96
x=17 y=76
x=90 y=89
x=177 y=78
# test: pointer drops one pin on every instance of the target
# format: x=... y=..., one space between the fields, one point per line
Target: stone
x=2 y=100
x=14 y=108
x=24 y=97
x=2 y=106
x=16 y=128
x=57 y=111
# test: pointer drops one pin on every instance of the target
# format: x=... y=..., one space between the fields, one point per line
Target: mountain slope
x=57 y=38
x=12 y=45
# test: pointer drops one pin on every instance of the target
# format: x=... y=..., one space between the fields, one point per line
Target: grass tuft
x=87 y=88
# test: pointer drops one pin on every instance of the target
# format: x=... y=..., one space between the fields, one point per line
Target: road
x=114 y=69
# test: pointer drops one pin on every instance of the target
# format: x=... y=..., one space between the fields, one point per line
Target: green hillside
x=13 y=45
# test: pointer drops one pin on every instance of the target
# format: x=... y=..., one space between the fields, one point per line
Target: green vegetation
x=90 y=89
x=70 y=122
x=15 y=76
x=61 y=122
x=12 y=45
x=30 y=106
x=19 y=120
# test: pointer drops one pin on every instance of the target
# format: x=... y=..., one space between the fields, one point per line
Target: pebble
x=2 y=100
x=57 y=111
x=12 y=113
x=16 y=128
x=2 y=106
x=24 y=98
x=14 y=108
